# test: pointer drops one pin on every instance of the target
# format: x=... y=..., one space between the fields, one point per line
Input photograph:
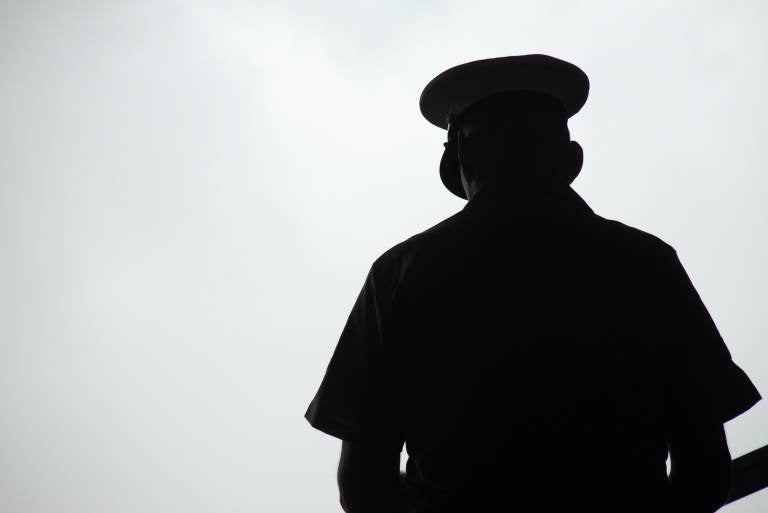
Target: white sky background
x=191 y=194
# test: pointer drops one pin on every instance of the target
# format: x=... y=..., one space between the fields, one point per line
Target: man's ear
x=573 y=156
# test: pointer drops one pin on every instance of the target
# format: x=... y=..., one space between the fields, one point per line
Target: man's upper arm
x=700 y=476
x=705 y=382
x=368 y=477
x=705 y=390
x=369 y=458
x=357 y=399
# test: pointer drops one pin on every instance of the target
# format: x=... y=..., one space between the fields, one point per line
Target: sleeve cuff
x=733 y=393
x=348 y=432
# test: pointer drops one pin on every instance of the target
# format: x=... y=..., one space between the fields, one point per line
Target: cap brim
x=456 y=88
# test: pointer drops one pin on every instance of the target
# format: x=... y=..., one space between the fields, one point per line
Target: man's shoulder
x=440 y=230
x=631 y=237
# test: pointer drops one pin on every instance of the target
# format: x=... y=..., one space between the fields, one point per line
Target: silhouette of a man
x=530 y=354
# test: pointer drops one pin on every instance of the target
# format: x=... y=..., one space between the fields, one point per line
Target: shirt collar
x=526 y=198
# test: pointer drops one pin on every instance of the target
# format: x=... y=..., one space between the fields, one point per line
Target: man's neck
x=528 y=186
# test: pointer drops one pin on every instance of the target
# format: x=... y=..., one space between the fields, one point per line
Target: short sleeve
x=356 y=398
x=705 y=380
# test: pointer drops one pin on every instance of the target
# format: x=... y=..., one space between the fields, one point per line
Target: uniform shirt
x=531 y=355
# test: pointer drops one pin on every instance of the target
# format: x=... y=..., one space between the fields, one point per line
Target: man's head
x=519 y=138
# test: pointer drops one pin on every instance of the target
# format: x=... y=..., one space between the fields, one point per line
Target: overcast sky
x=191 y=194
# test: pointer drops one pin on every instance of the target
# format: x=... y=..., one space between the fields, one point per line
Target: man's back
x=532 y=359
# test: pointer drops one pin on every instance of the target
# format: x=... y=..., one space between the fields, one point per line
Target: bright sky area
x=191 y=194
